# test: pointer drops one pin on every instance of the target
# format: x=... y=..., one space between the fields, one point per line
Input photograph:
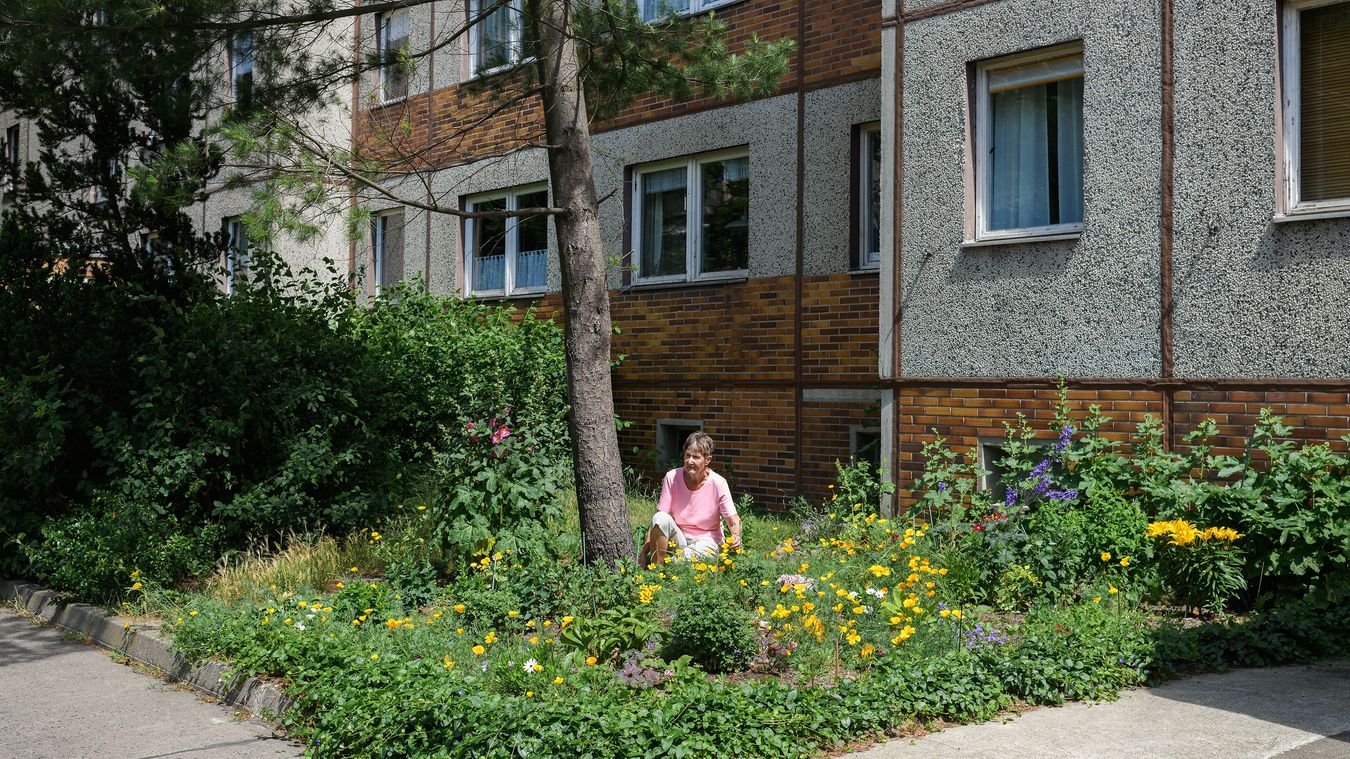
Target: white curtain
x=1021 y=185
x=663 y=221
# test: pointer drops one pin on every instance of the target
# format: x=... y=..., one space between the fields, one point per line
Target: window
x=111 y=177
x=236 y=254
x=497 y=40
x=1317 y=105
x=655 y=10
x=864 y=444
x=241 y=70
x=387 y=236
x=692 y=218
x=507 y=255
x=1029 y=145
x=12 y=160
x=670 y=437
x=868 y=177
x=391 y=41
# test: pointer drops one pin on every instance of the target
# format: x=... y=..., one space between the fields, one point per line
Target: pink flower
x=469 y=425
x=501 y=434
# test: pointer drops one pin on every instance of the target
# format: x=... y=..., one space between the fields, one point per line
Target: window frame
x=383 y=21
x=517 y=40
x=695 y=8
x=234 y=227
x=693 y=237
x=377 y=237
x=864 y=260
x=983 y=175
x=512 y=197
x=13 y=157
x=235 y=65
x=1290 y=104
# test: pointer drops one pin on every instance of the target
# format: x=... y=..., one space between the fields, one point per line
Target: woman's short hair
x=701 y=442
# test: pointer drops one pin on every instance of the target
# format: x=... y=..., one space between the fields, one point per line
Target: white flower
x=299 y=625
x=529 y=666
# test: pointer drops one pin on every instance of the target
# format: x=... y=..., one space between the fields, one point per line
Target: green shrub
x=94 y=552
x=713 y=630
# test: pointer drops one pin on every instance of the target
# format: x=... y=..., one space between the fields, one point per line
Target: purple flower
x=1010 y=498
x=1065 y=435
x=942 y=487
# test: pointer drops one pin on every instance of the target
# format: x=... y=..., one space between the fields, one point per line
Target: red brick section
x=1317 y=417
x=723 y=354
x=964 y=415
x=460 y=123
x=825 y=439
x=751 y=426
x=839 y=328
x=843 y=40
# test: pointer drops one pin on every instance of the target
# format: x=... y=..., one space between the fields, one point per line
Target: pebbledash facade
x=1127 y=195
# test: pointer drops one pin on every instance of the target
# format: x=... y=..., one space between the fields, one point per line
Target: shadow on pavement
x=21 y=646
x=1314 y=698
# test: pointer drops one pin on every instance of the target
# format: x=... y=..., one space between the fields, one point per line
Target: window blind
x=1324 y=102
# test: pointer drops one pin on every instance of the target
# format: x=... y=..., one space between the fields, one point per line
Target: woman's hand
x=734 y=525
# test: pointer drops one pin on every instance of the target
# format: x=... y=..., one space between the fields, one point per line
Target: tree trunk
x=605 y=531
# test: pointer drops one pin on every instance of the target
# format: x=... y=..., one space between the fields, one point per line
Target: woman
x=694 y=501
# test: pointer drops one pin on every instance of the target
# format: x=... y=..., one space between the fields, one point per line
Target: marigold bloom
x=590 y=661
x=478 y=650
x=1106 y=555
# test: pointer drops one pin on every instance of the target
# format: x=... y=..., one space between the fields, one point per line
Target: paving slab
x=1300 y=712
x=62 y=699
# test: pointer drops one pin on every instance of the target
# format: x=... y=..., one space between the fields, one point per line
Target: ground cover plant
x=456 y=625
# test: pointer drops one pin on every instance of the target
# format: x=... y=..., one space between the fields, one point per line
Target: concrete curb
x=144 y=644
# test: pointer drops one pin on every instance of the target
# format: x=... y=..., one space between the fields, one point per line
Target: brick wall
x=724 y=355
x=964 y=415
x=466 y=122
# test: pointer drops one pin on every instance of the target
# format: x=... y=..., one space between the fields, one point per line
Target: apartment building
x=1149 y=199
x=744 y=235
x=234 y=71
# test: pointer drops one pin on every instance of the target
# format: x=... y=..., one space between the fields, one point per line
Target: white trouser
x=706 y=547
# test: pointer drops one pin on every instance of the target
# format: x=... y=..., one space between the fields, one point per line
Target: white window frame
x=517 y=40
x=237 y=65
x=13 y=156
x=693 y=206
x=867 y=259
x=1291 y=39
x=234 y=227
x=695 y=7
x=378 y=222
x=508 y=288
x=983 y=138
x=382 y=23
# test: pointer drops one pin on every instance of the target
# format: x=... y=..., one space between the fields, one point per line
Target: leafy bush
x=287 y=406
x=713 y=630
x=98 y=552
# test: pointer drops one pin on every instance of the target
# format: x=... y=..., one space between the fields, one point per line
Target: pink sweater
x=697 y=512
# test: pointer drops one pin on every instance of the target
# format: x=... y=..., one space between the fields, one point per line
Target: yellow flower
x=192 y=613
x=529 y=694
x=1124 y=561
x=558 y=681
x=459 y=630
x=853 y=637
x=135 y=573
x=374 y=656
x=958 y=613
x=534 y=640
x=590 y=661
x=1097 y=600
x=1112 y=589
x=859 y=609
x=340 y=586
x=136 y=586
x=479 y=650
x=944 y=613
x=513 y=614
x=447 y=662
x=879 y=571
x=490 y=638
x=538 y=668
x=459 y=608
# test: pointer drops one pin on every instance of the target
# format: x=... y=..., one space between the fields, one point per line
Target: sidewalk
x=63 y=699
x=1286 y=712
